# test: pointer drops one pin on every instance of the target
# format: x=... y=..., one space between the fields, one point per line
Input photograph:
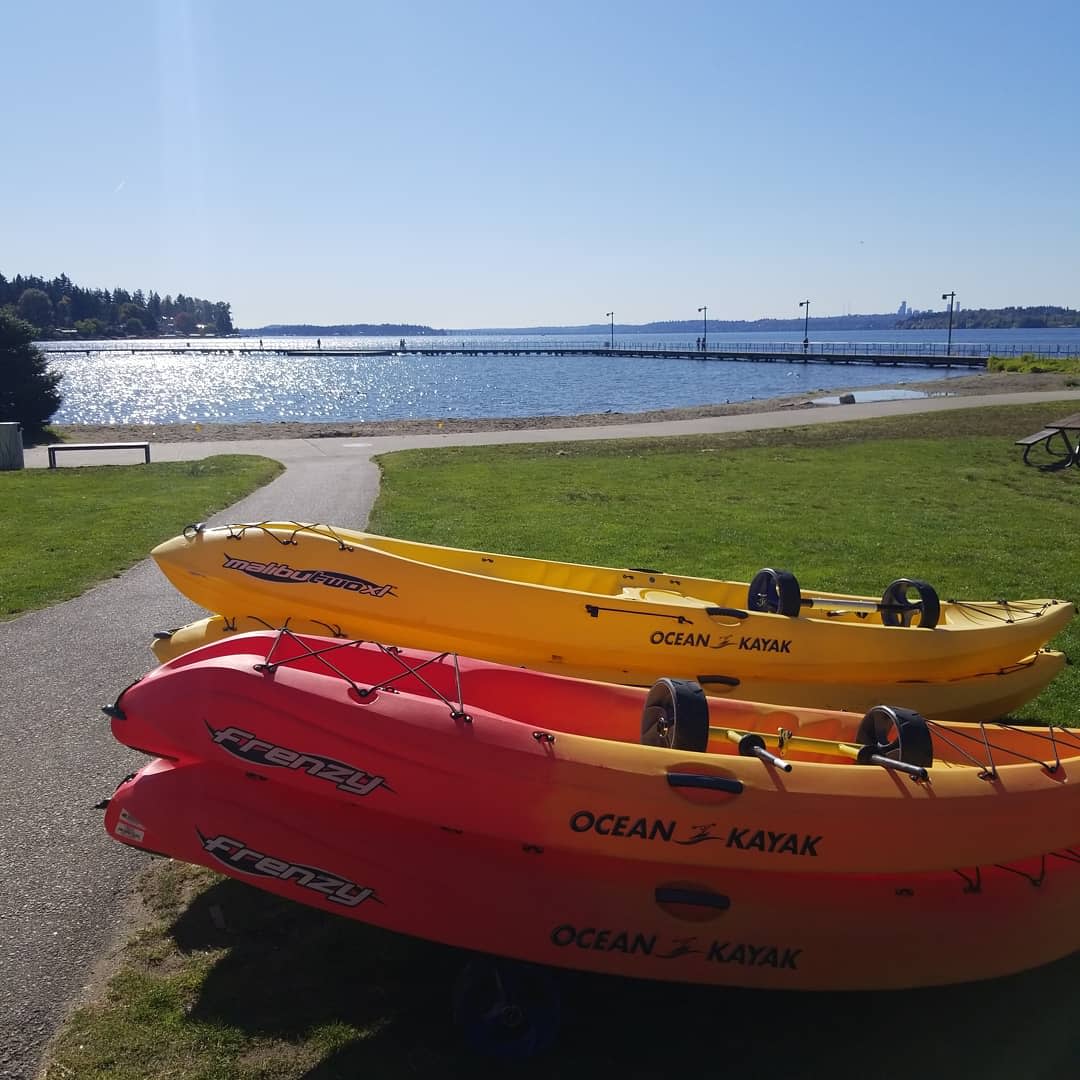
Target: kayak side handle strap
x=728 y=785
x=667 y=894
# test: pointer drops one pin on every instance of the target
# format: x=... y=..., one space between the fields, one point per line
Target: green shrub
x=1029 y=363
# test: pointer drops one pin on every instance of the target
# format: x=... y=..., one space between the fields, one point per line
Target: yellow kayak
x=618 y=625
x=971 y=698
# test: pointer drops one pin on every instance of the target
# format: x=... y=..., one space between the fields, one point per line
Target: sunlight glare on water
x=173 y=383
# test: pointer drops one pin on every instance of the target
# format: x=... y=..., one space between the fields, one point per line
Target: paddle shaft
x=826 y=746
x=853 y=605
x=796 y=742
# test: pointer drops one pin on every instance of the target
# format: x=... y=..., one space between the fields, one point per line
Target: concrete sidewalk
x=298 y=453
x=65 y=885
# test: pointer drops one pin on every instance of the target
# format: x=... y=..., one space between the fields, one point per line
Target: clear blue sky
x=512 y=164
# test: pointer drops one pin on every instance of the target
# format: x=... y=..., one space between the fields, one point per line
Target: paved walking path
x=64 y=882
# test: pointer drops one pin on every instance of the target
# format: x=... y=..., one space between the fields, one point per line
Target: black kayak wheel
x=900 y=734
x=899 y=609
x=676 y=716
x=506 y=1009
x=775 y=592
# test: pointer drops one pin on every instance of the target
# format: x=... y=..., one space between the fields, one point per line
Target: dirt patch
x=981 y=383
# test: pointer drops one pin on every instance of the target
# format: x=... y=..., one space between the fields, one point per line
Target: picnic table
x=1066 y=431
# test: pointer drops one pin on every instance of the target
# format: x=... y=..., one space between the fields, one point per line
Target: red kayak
x=785 y=931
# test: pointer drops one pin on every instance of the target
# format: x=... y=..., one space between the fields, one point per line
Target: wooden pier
x=928 y=355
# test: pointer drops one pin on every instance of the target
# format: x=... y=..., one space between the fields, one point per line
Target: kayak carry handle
x=726 y=784
x=674 y=894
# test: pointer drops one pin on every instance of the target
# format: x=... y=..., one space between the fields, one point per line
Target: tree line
x=58 y=307
x=1019 y=318
x=341 y=330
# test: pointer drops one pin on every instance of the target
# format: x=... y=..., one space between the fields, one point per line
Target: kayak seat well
x=662 y=596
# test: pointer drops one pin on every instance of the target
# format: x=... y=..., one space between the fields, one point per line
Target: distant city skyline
x=486 y=164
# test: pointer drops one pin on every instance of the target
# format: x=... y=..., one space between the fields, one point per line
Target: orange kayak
x=663 y=776
x=801 y=931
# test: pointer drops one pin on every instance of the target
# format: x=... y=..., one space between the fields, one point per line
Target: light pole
x=950 y=296
x=805 y=325
x=704 y=312
x=611 y=316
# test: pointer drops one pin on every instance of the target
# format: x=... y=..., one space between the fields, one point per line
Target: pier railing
x=627 y=345
x=851 y=348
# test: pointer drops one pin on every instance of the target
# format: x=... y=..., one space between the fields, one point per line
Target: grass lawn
x=223 y=981
x=846 y=508
x=69 y=528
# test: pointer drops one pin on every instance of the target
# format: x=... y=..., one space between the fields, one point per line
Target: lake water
x=119 y=386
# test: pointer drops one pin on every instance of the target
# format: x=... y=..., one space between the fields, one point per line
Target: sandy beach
x=981 y=383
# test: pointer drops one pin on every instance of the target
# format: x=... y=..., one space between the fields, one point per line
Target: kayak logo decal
x=247 y=746
x=776 y=843
x=736 y=838
x=745 y=954
x=283 y=574
x=236 y=855
x=622 y=825
x=694 y=641
x=634 y=943
x=601 y=940
x=765 y=644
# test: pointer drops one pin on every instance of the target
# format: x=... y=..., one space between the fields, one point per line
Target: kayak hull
x=523 y=757
x=803 y=932
x=987 y=695
x=595 y=622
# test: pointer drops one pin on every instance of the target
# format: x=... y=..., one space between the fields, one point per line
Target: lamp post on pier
x=806 y=325
x=703 y=311
x=951 y=297
x=611 y=316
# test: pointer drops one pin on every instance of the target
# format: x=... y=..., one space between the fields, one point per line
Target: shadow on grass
x=292 y=971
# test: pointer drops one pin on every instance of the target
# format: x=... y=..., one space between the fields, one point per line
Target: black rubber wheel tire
x=506 y=1009
x=775 y=591
x=901 y=734
x=676 y=716
x=898 y=610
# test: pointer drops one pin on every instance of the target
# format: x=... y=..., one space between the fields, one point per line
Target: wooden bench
x=57 y=447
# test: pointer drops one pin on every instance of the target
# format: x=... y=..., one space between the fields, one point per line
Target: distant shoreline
x=967 y=385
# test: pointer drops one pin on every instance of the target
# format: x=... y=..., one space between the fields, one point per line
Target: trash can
x=11 y=447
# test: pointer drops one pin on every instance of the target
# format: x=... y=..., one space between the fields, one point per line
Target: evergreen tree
x=36 y=308
x=222 y=318
x=29 y=393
